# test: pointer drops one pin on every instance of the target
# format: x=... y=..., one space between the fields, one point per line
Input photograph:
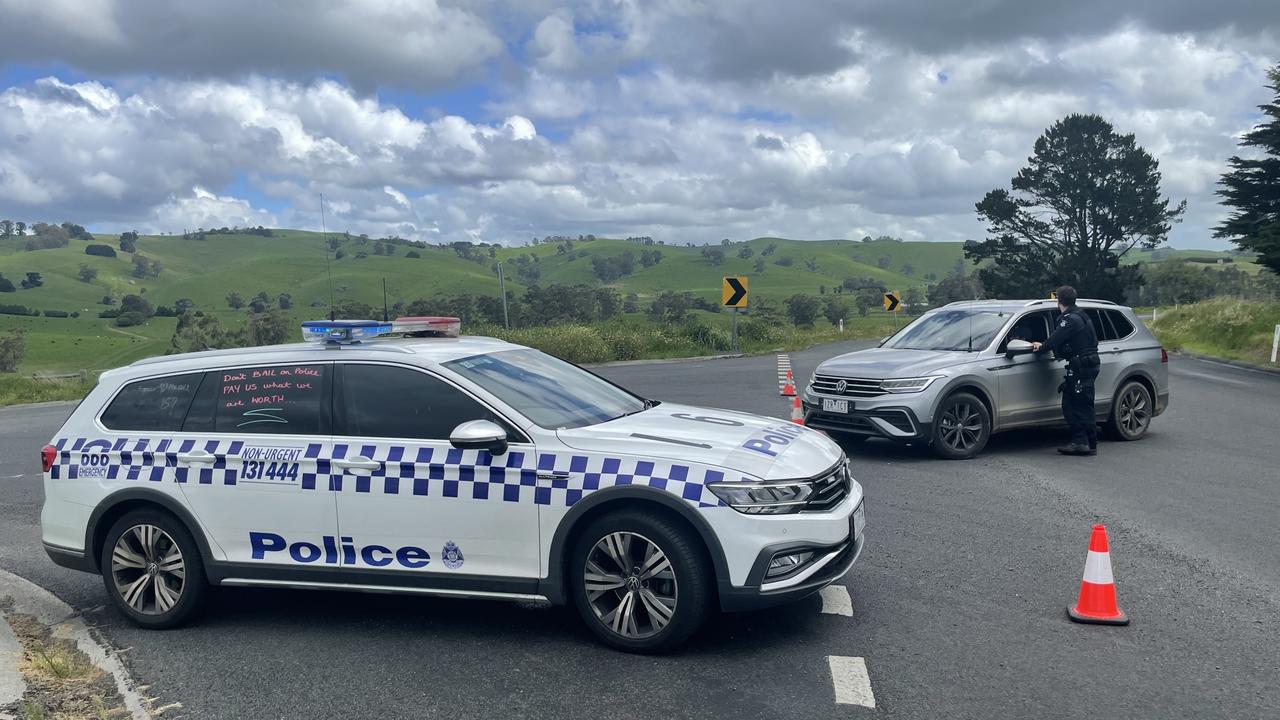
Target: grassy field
x=1235 y=329
x=294 y=262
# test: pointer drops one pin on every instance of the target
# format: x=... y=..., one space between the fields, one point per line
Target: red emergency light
x=427 y=326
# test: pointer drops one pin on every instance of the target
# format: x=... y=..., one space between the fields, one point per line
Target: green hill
x=294 y=262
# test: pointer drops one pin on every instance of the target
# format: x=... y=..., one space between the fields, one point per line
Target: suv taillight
x=1164 y=355
x=48 y=454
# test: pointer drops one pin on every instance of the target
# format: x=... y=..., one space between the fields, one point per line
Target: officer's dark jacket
x=1072 y=338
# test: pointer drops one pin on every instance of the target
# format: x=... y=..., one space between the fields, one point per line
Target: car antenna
x=328 y=271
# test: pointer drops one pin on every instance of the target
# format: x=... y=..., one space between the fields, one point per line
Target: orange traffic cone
x=1097 y=601
x=797 y=412
x=789 y=390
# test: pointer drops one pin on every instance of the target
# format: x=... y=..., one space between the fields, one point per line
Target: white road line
x=836 y=600
x=852 y=684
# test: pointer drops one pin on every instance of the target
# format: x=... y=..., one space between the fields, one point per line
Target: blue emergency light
x=343 y=332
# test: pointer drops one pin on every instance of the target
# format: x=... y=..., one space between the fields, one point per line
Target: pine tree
x=1252 y=187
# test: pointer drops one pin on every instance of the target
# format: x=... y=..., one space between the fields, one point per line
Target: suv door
x=250 y=463
x=1112 y=328
x=1028 y=383
x=406 y=486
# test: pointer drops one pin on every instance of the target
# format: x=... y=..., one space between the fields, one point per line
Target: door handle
x=358 y=462
x=196 y=457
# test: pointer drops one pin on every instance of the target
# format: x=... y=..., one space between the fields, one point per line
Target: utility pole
x=502 y=285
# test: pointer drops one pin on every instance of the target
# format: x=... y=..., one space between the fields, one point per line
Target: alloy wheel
x=961 y=427
x=631 y=585
x=1134 y=413
x=148 y=569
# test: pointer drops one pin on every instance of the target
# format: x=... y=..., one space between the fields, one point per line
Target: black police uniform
x=1075 y=341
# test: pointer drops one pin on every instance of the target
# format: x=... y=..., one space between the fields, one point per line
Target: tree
x=811 y=264
x=913 y=299
x=759 y=265
x=270 y=327
x=32 y=281
x=955 y=287
x=20 y=228
x=87 y=273
x=129 y=241
x=745 y=252
x=1252 y=187
x=802 y=309
x=284 y=301
x=6 y=228
x=234 y=301
x=13 y=346
x=784 y=261
x=1086 y=198
x=715 y=256
x=908 y=269
x=867 y=298
x=144 y=267
x=100 y=250
x=884 y=262
x=6 y=285
x=835 y=308
x=138 y=304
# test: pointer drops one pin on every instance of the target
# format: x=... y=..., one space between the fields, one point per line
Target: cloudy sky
x=687 y=120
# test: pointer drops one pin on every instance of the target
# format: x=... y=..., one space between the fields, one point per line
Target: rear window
x=155 y=404
x=1109 y=324
x=1123 y=328
x=278 y=399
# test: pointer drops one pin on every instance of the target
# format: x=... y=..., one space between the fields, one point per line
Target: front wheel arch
x=583 y=512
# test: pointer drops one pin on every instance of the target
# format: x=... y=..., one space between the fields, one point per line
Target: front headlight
x=763 y=498
x=908 y=385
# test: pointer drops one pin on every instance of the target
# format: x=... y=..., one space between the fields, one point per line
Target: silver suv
x=961 y=372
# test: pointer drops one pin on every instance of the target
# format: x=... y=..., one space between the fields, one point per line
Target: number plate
x=859 y=519
x=836 y=406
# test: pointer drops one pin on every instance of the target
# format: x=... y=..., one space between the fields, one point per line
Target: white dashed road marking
x=836 y=600
x=784 y=364
x=852 y=684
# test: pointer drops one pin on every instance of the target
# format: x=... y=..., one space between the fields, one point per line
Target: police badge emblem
x=451 y=555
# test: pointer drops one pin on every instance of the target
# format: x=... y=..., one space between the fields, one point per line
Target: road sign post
x=733 y=294
x=891 y=302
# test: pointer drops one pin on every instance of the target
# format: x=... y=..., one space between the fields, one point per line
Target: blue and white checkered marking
x=418 y=471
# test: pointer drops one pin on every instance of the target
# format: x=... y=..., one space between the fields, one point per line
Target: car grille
x=829 y=490
x=853 y=387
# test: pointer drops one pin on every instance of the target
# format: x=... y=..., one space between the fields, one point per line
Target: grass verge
x=15 y=389
x=1225 y=328
x=61 y=681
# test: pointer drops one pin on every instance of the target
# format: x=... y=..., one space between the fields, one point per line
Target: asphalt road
x=958 y=600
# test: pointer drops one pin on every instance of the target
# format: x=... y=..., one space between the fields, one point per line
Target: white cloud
x=610 y=118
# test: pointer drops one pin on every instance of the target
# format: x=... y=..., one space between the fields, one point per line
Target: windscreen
x=951 y=330
x=552 y=393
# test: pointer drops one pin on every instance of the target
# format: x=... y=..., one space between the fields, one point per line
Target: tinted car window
x=1123 y=328
x=395 y=402
x=154 y=404
x=1100 y=327
x=281 y=399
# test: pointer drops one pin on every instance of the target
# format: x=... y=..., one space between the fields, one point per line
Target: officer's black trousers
x=1077 y=406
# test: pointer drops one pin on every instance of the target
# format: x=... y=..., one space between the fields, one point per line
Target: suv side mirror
x=479 y=435
x=1017 y=347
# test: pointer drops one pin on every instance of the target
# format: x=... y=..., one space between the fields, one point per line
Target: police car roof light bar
x=343 y=332
x=427 y=326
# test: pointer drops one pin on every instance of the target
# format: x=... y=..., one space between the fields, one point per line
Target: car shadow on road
x=250 y=617
x=1012 y=442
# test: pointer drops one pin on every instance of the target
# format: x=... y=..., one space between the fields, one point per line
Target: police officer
x=1075 y=341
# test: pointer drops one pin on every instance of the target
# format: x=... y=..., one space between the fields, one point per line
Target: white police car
x=442 y=466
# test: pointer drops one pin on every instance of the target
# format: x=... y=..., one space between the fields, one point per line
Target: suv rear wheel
x=152 y=569
x=1131 y=412
x=961 y=427
x=641 y=582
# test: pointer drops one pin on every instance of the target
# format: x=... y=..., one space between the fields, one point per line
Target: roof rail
x=1029 y=303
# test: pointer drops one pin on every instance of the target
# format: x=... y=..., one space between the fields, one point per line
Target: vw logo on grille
x=841 y=386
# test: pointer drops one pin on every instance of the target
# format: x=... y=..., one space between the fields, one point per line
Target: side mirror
x=479 y=435
x=1017 y=347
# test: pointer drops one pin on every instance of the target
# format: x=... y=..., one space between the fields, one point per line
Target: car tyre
x=642 y=582
x=1130 y=412
x=961 y=427
x=152 y=569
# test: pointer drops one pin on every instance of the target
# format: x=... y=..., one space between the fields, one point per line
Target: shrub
x=6 y=285
x=109 y=313
x=784 y=261
x=17 y=310
x=100 y=250
x=13 y=346
x=56 y=313
x=413 y=254
x=130 y=318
